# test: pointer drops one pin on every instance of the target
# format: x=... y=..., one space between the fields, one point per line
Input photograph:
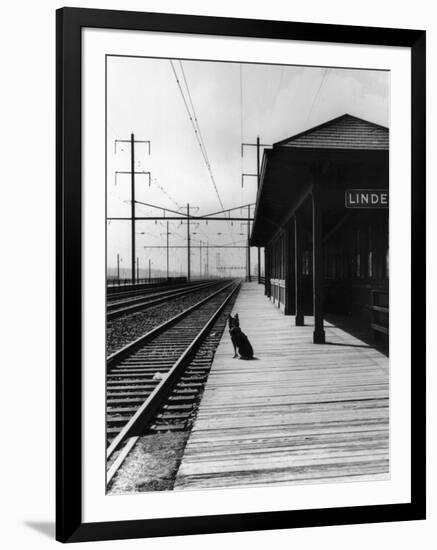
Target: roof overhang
x=287 y=176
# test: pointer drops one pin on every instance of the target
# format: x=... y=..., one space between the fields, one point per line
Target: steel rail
x=145 y=412
x=120 y=300
x=120 y=354
x=146 y=291
x=124 y=287
x=116 y=309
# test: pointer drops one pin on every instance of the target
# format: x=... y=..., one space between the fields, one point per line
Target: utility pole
x=200 y=260
x=188 y=244
x=248 y=243
x=132 y=167
x=257 y=189
x=167 y=252
x=150 y=270
x=258 y=146
x=207 y=258
x=118 y=269
x=138 y=269
x=132 y=172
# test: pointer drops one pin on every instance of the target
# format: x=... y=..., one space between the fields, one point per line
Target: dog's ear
x=236 y=316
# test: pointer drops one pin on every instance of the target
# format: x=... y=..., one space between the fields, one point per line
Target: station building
x=322 y=218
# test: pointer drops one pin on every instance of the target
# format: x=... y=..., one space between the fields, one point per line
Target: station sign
x=366 y=198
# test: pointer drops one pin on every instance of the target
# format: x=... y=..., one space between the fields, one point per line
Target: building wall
x=356 y=263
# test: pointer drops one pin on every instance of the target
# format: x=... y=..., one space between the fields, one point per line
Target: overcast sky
x=233 y=103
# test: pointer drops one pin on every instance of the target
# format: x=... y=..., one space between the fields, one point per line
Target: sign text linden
x=366 y=198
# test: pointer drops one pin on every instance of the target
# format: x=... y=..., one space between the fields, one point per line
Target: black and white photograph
x=218 y=275
x=247 y=274
x=240 y=275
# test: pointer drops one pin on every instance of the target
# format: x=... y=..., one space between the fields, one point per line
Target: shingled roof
x=344 y=132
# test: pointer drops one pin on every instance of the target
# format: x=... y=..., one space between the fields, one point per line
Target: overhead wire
x=165 y=192
x=241 y=125
x=194 y=113
x=197 y=131
x=325 y=73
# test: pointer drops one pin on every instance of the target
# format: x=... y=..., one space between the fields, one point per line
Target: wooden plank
x=298 y=413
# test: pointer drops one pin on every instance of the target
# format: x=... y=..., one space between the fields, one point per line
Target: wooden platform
x=299 y=413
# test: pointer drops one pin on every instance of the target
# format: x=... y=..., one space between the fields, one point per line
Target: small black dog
x=239 y=339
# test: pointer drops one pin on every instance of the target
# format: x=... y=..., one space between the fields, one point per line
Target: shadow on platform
x=358 y=329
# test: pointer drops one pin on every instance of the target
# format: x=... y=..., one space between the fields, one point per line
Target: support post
x=300 y=319
x=132 y=163
x=267 y=271
x=188 y=244
x=289 y=307
x=200 y=260
x=248 y=243
x=318 y=282
x=257 y=189
x=167 y=253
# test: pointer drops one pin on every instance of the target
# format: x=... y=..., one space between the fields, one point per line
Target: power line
x=241 y=122
x=197 y=132
x=194 y=114
x=189 y=114
x=241 y=107
x=163 y=190
x=316 y=96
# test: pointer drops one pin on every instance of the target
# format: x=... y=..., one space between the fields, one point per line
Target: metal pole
x=188 y=243
x=257 y=162
x=200 y=259
x=257 y=188
x=150 y=270
x=118 y=269
x=167 y=252
x=248 y=243
x=299 y=311
x=207 y=258
x=132 y=162
x=138 y=269
x=319 y=332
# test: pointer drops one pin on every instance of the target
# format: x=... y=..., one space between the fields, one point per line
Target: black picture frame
x=69 y=525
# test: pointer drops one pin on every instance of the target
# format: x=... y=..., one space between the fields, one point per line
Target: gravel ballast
x=122 y=331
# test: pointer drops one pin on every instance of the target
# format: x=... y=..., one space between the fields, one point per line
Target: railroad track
x=132 y=304
x=155 y=381
x=111 y=295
